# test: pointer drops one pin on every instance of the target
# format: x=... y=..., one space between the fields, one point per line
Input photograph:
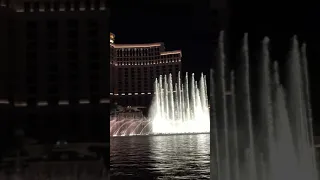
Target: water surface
x=160 y=157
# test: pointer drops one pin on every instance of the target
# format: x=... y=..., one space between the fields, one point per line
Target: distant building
x=54 y=66
x=134 y=68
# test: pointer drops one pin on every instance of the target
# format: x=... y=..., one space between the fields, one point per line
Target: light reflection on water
x=160 y=157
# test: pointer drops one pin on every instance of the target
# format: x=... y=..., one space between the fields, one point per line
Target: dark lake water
x=160 y=157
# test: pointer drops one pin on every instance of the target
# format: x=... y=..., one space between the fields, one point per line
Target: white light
x=63 y=102
x=129 y=94
x=4 y=102
x=135 y=93
x=42 y=103
x=104 y=101
x=82 y=9
x=84 y=101
x=142 y=93
x=116 y=94
x=20 y=104
x=123 y=94
x=149 y=92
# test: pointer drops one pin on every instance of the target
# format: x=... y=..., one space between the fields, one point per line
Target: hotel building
x=134 y=68
x=54 y=67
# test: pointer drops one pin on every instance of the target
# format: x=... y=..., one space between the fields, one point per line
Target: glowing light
x=20 y=104
x=84 y=101
x=63 y=102
x=171 y=52
x=4 y=102
x=136 y=45
x=42 y=103
x=183 y=111
x=104 y=101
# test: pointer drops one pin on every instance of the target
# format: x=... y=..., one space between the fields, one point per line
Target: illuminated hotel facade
x=134 y=68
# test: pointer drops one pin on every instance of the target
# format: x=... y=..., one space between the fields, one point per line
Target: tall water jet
x=184 y=115
x=234 y=136
x=214 y=138
x=222 y=110
x=286 y=150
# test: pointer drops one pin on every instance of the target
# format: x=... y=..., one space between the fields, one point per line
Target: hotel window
x=31 y=45
x=52 y=78
x=95 y=76
x=87 y=4
x=93 y=44
x=32 y=90
x=47 y=6
x=52 y=56
x=73 y=66
x=95 y=66
x=73 y=55
x=31 y=79
x=92 y=24
x=96 y=4
x=56 y=6
x=68 y=6
x=52 y=34
x=73 y=34
x=72 y=44
x=52 y=45
x=31 y=25
x=27 y=6
x=36 y=6
x=73 y=76
x=93 y=55
x=93 y=33
x=32 y=56
x=53 y=67
x=52 y=24
x=76 y=5
x=72 y=23
x=52 y=89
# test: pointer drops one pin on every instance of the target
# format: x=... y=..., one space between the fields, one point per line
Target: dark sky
x=179 y=26
x=187 y=26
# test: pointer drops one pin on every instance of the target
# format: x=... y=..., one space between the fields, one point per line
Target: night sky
x=186 y=26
